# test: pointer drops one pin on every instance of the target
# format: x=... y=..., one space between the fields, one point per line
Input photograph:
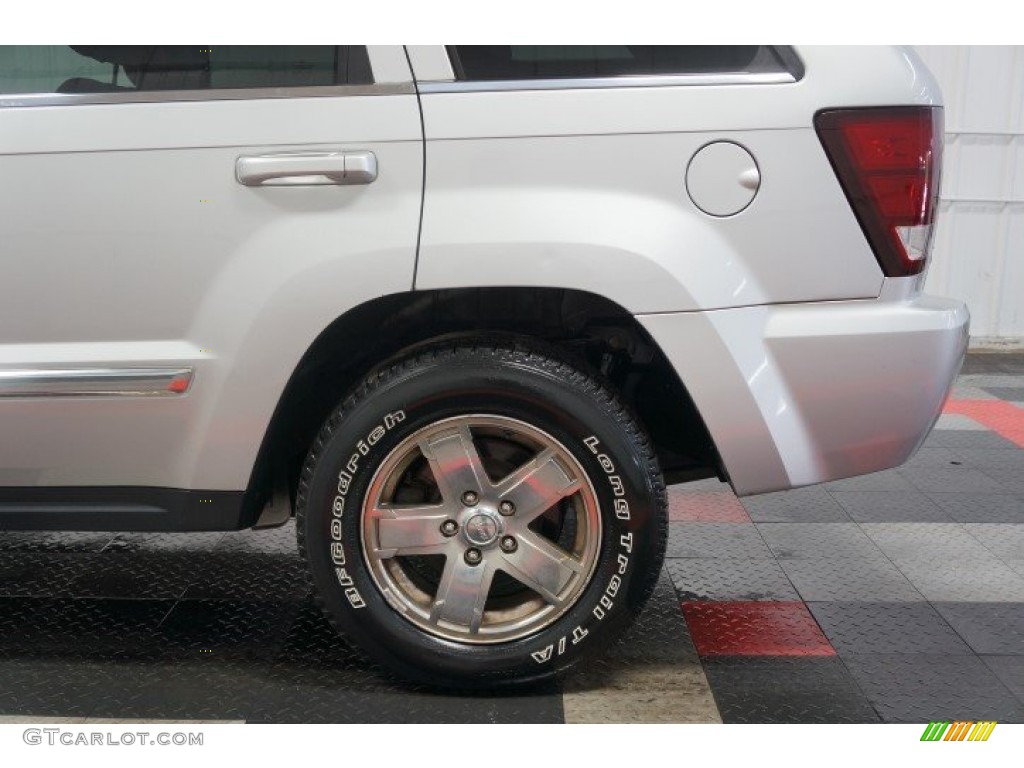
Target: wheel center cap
x=481 y=529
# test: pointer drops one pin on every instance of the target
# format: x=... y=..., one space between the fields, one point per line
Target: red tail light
x=888 y=161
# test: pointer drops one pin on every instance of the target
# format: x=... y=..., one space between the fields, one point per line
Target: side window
x=127 y=68
x=550 y=62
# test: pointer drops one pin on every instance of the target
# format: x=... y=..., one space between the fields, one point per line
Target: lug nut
x=509 y=544
x=507 y=508
x=473 y=556
x=449 y=527
x=470 y=498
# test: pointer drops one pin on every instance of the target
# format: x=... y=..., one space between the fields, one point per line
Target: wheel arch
x=596 y=331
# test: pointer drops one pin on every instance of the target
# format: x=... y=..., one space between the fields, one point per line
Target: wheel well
x=602 y=336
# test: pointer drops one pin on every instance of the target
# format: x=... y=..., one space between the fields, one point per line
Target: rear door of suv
x=166 y=210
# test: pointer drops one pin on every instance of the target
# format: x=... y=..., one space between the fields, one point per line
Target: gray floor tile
x=981 y=507
x=1011 y=363
x=988 y=380
x=1010 y=479
x=886 y=628
x=1009 y=670
x=786 y=690
x=934 y=456
x=817 y=540
x=891 y=507
x=964 y=438
x=991 y=458
x=1005 y=540
x=979 y=363
x=707 y=484
x=803 y=505
x=939 y=541
x=918 y=688
x=849 y=579
x=889 y=480
x=730 y=579
x=1016 y=565
x=966 y=392
x=992 y=628
x=964 y=580
x=951 y=479
x=736 y=540
x=704 y=506
x=959 y=421
x=1013 y=394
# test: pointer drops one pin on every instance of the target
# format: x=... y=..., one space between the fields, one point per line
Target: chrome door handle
x=306 y=169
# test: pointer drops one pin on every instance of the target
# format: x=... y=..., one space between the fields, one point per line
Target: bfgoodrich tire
x=481 y=515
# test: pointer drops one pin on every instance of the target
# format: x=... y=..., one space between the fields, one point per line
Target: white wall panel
x=979 y=248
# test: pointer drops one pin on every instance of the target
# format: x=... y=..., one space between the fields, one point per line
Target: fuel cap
x=722 y=178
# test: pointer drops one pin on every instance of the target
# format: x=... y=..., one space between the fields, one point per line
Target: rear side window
x=134 y=68
x=552 y=62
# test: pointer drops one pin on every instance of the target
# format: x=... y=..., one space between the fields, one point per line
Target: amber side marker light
x=180 y=383
x=888 y=160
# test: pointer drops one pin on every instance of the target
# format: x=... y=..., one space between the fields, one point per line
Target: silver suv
x=463 y=310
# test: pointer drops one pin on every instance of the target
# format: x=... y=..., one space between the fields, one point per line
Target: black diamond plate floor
x=895 y=597
x=206 y=626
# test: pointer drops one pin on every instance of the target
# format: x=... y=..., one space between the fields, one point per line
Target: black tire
x=532 y=384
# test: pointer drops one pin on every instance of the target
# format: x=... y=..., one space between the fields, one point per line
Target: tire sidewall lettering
x=340 y=501
x=606 y=602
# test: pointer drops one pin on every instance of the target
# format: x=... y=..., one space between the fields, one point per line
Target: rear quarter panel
x=585 y=188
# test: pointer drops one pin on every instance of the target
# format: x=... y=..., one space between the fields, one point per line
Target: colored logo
x=959 y=731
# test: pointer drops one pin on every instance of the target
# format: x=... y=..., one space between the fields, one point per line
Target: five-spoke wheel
x=515 y=520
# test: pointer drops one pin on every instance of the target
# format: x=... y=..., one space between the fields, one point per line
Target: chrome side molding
x=208 y=94
x=620 y=81
x=95 y=382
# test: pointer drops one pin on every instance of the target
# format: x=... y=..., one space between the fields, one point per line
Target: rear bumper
x=800 y=394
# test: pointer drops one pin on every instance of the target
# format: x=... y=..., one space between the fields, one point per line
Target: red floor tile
x=1006 y=419
x=706 y=507
x=755 y=629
